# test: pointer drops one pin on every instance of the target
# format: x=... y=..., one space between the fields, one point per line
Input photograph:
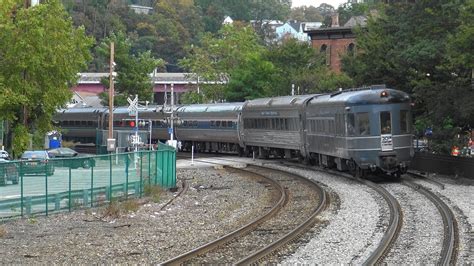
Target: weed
x=112 y=210
x=32 y=220
x=154 y=192
x=130 y=205
x=3 y=231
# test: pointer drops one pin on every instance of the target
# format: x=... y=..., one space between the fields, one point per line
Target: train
x=360 y=130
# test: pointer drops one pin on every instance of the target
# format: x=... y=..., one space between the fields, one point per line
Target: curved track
x=451 y=234
x=288 y=193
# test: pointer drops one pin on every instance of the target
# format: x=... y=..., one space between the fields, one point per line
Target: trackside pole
x=253 y=155
x=192 y=155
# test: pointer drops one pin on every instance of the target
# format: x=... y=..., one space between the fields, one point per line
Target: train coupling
x=373 y=167
x=403 y=168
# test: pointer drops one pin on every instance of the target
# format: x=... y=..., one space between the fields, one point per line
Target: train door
x=386 y=142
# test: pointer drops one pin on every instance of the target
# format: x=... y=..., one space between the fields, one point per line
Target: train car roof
x=82 y=110
x=362 y=97
x=281 y=101
x=209 y=108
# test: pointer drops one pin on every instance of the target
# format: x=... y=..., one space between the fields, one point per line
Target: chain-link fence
x=43 y=186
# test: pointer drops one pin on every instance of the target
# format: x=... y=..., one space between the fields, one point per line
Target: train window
x=213 y=123
x=350 y=125
x=195 y=123
x=77 y=123
x=224 y=124
x=332 y=127
x=363 y=124
x=385 y=123
x=404 y=121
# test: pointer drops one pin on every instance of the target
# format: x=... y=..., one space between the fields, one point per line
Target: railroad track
x=300 y=201
x=451 y=234
x=450 y=242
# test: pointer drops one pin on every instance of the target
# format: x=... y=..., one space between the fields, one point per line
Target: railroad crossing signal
x=133 y=107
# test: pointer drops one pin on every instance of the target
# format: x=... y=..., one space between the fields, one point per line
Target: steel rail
x=242 y=230
x=450 y=243
x=396 y=216
x=323 y=203
x=427 y=179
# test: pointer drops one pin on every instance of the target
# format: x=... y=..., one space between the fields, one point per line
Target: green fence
x=40 y=187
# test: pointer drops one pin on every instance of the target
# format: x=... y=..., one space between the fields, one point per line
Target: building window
x=326 y=49
x=323 y=48
x=351 y=49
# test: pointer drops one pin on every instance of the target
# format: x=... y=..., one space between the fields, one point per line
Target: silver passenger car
x=209 y=127
x=273 y=126
x=80 y=124
x=361 y=130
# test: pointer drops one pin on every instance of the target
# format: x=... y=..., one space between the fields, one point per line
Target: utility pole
x=110 y=139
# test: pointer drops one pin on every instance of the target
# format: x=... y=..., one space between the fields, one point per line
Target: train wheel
x=352 y=167
x=240 y=151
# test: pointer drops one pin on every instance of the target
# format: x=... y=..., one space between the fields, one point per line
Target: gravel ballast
x=216 y=203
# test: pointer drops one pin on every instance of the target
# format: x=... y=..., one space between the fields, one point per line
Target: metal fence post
x=141 y=174
x=92 y=185
x=110 y=180
x=46 y=186
x=127 y=162
x=156 y=166
x=69 y=192
x=149 y=167
x=21 y=191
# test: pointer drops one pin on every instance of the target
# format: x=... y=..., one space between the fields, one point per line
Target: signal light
x=132 y=123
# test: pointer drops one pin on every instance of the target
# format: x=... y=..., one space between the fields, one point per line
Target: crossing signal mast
x=171 y=142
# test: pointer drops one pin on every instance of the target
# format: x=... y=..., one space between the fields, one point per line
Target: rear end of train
x=379 y=138
x=371 y=131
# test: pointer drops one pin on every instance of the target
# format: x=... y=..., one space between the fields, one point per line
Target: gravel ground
x=356 y=221
x=217 y=202
x=421 y=236
x=458 y=193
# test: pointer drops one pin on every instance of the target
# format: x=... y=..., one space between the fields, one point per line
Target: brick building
x=336 y=41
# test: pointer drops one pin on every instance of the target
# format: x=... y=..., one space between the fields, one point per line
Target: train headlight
x=384 y=94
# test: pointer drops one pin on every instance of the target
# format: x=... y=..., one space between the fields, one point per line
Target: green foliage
x=154 y=192
x=21 y=140
x=219 y=56
x=306 y=13
x=298 y=63
x=461 y=43
x=214 y=11
x=40 y=57
x=252 y=79
x=132 y=70
x=192 y=97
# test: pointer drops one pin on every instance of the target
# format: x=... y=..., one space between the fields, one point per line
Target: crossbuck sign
x=133 y=107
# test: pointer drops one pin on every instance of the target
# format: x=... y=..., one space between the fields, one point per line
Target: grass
x=3 y=231
x=154 y=192
x=116 y=208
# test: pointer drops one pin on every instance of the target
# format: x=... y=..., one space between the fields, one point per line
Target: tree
x=252 y=79
x=40 y=57
x=298 y=63
x=132 y=70
x=219 y=55
x=306 y=13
